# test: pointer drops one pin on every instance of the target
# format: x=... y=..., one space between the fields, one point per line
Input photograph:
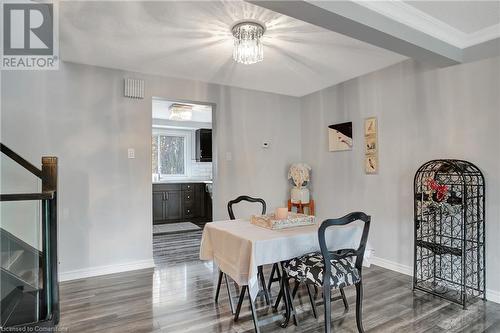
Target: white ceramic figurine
x=299 y=172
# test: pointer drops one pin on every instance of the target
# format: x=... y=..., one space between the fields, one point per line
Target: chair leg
x=271 y=278
x=278 y=299
x=275 y=270
x=254 y=314
x=282 y=286
x=240 y=302
x=328 y=308
x=231 y=305
x=295 y=289
x=289 y=299
x=344 y=299
x=311 y=299
x=218 y=287
x=359 y=301
x=262 y=279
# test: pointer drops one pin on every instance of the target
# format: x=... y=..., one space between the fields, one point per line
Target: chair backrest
x=244 y=198
x=344 y=253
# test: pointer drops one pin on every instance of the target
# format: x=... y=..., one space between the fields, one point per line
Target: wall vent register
x=134 y=88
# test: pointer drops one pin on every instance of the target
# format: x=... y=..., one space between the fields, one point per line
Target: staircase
x=21 y=280
x=29 y=287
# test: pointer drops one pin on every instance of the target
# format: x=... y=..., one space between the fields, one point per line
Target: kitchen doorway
x=182 y=166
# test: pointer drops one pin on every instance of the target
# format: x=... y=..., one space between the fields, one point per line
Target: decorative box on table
x=270 y=221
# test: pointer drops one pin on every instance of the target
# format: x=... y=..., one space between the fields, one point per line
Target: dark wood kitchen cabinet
x=173 y=205
x=167 y=203
x=177 y=202
x=158 y=206
x=188 y=200
x=204 y=145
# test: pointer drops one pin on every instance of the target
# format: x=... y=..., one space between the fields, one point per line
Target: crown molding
x=408 y=15
x=483 y=35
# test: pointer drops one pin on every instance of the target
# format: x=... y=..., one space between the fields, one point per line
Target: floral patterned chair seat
x=309 y=268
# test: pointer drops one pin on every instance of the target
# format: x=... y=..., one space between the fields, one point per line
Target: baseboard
x=103 y=270
x=393 y=266
x=491 y=295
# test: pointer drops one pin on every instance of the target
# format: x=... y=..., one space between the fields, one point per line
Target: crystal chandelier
x=180 y=112
x=247 y=42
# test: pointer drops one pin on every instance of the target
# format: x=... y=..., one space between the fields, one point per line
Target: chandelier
x=247 y=42
x=181 y=112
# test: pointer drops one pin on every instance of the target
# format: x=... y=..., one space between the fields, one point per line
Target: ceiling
x=192 y=40
x=461 y=23
x=466 y=16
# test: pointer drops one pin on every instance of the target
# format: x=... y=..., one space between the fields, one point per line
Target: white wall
x=79 y=115
x=423 y=114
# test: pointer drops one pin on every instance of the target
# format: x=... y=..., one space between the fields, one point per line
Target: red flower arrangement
x=440 y=190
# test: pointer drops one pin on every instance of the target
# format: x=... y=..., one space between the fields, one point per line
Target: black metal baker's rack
x=449 y=213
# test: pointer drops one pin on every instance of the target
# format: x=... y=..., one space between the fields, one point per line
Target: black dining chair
x=260 y=272
x=311 y=268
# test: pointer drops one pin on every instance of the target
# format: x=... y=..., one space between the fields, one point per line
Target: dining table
x=239 y=247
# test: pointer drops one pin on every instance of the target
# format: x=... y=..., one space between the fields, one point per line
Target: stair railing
x=49 y=299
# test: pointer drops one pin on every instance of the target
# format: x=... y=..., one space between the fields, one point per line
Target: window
x=170 y=149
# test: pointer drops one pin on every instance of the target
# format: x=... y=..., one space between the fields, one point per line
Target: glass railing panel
x=21 y=262
x=15 y=179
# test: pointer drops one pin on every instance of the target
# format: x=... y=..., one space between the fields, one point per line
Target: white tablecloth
x=239 y=247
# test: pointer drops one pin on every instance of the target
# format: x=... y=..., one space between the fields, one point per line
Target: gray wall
x=79 y=115
x=20 y=217
x=423 y=114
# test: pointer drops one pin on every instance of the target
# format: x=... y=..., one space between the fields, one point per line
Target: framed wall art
x=340 y=137
x=371 y=146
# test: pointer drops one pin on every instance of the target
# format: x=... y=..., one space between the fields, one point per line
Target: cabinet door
x=188 y=210
x=208 y=206
x=199 y=205
x=158 y=206
x=173 y=205
x=204 y=145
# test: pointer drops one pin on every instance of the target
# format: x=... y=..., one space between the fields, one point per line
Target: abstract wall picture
x=371 y=164
x=371 y=146
x=371 y=126
x=340 y=137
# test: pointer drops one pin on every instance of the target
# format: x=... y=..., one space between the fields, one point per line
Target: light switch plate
x=131 y=153
x=229 y=156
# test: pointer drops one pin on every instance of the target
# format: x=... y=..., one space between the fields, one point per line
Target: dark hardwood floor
x=177 y=296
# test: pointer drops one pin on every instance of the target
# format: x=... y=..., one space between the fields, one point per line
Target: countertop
x=183 y=181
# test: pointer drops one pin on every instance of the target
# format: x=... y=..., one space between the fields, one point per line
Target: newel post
x=49 y=183
x=49 y=173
